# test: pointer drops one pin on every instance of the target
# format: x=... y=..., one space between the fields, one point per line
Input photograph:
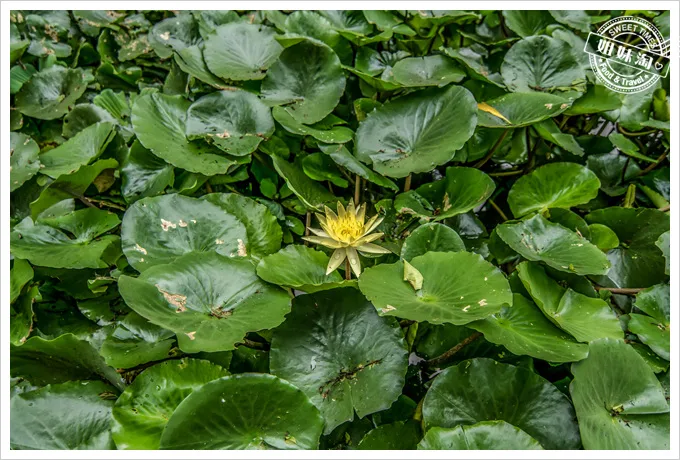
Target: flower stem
x=357 y=190
x=348 y=270
x=407 y=183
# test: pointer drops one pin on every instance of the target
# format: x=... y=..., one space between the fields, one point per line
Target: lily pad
x=307 y=79
x=586 y=318
x=664 y=243
x=555 y=185
x=481 y=390
x=24 y=160
x=637 y=262
x=52 y=245
x=334 y=135
x=157 y=230
x=458 y=288
x=236 y=121
x=436 y=70
x=143 y=410
x=541 y=63
x=462 y=190
x=392 y=436
x=654 y=330
x=275 y=415
x=241 y=51
x=21 y=273
x=65 y=358
x=50 y=92
x=143 y=174
x=341 y=354
x=541 y=240
x=346 y=159
x=159 y=121
x=417 y=132
x=208 y=300
x=527 y=22
x=80 y=150
x=518 y=110
x=299 y=267
x=431 y=237
x=603 y=237
x=70 y=415
x=312 y=194
x=619 y=402
x=493 y=435
x=524 y=330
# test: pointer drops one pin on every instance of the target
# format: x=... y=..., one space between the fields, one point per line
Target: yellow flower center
x=347 y=229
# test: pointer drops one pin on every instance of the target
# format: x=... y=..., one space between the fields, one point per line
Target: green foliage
x=172 y=173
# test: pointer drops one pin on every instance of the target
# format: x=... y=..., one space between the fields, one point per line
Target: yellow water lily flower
x=347 y=232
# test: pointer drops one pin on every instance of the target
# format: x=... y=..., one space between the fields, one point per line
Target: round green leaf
x=334 y=135
x=562 y=249
x=541 y=63
x=67 y=416
x=241 y=51
x=392 y=436
x=586 y=318
x=431 y=237
x=458 y=288
x=143 y=410
x=307 y=79
x=341 y=354
x=82 y=116
x=461 y=191
x=344 y=158
x=50 y=92
x=299 y=267
x=518 y=110
x=493 y=435
x=527 y=22
x=245 y=411
x=174 y=34
x=603 y=237
x=417 y=132
x=555 y=185
x=159 y=121
x=654 y=330
x=312 y=194
x=236 y=121
x=80 y=150
x=208 y=300
x=24 y=161
x=481 y=390
x=144 y=174
x=637 y=262
x=664 y=243
x=262 y=228
x=619 y=402
x=65 y=358
x=524 y=330
x=435 y=70
x=159 y=229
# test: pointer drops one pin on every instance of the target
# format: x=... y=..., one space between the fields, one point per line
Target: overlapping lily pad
x=50 y=92
x=341 y=354
x=70 y=415
x=236 y=121
x=433 y=237
x=481 y=390
x=210 y=301
x=417 y=132
x=519 y=110
x=143 y=410
x=653 y=328
x=622 y=408
x=24 y=161
x=458 y=288
x=555 y=185
x=493 y=435
x=586 y=318
x=307 y=79
x=524 y=330
x=434 y=70
x=274 y=415
x=541 y=240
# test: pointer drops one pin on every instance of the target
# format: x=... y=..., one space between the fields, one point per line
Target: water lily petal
x=341 y=211
x=373 y=223
x=361 y=213
x=354 y=261
x=329 y=213
x=328 y=242
x=373 y=249
x=337 y=258
x=318 y=232
x=350 y=208
x=367 y=239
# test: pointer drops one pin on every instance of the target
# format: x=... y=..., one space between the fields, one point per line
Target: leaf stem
x=625 y=291
x=447 y=354
x=492 y=150
x=632 y=134
x=253 y=345
x=498 y=210
x=654 y=165
x=357 y=190
x=407 y=183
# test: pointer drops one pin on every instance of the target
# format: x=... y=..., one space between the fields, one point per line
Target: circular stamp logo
x=628 y=54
